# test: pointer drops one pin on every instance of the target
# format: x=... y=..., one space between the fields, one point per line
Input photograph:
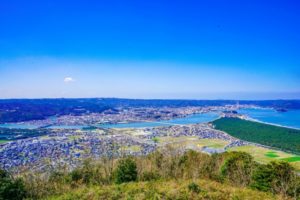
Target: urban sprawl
x=69 y=147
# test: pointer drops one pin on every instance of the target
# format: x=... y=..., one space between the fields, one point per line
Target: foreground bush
x=102 y=179
x=237 y=168
x=126 y=171
x=150 y=176
x=11 y=188
x=277 y=177
x=168 y=190
x=194 y=187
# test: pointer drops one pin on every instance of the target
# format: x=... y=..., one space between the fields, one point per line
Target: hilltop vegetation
x=283 y=138
x=168 y=189
x=164 y=174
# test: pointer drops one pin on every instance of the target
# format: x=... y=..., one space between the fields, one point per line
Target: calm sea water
x=291 y=118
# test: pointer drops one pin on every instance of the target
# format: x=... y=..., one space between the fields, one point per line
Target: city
x=62 y=144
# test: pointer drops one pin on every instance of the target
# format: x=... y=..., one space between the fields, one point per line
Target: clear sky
x=210 y=49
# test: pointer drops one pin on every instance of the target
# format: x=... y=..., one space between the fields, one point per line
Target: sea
x=290 y=118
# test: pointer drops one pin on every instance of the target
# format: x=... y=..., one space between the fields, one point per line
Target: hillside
x=164 y=174
x=181 y=189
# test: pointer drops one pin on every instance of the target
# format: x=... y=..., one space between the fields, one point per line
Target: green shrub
x=88 y=173
x=276 y=177
x=76 y=175
x=126 y=171
x=149 y=176
x=262 y=178
x=11 y=188
x=155 y=140
x=3 y=174
x=237 y=168
x=194 y=187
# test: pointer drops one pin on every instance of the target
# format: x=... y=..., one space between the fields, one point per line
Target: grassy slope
x=164 y=190
x=284 y=138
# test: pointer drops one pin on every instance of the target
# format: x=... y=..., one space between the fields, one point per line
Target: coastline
x=247 y=117
x=268 y=123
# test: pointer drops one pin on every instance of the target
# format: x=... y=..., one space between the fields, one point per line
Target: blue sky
x=150 y=49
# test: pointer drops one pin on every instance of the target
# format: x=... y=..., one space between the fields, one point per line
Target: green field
x=3 y=141
x=132 y=148
x=265 y=155
x=192 y=142
x=285 y=139
x=271 y=154
x=292 y=159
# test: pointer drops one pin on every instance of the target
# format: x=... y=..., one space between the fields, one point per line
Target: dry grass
x=192 y=141
x=165 y=190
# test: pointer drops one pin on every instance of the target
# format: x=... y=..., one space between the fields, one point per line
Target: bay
x=291 y=118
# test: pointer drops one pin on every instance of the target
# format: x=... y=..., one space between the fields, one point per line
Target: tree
x=237 y=168
x=282 y=177
x=262 y=178
x=277 y=177
x=126 y=171
x=11 y=188
x=192 y=164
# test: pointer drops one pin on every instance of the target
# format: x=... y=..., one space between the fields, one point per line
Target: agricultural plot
x=3 y=141
x=192 y=142
x=265 y=155
x=132 y=148
x=131 y=131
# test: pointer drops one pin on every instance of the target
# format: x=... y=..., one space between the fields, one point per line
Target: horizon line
x=175 y=99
